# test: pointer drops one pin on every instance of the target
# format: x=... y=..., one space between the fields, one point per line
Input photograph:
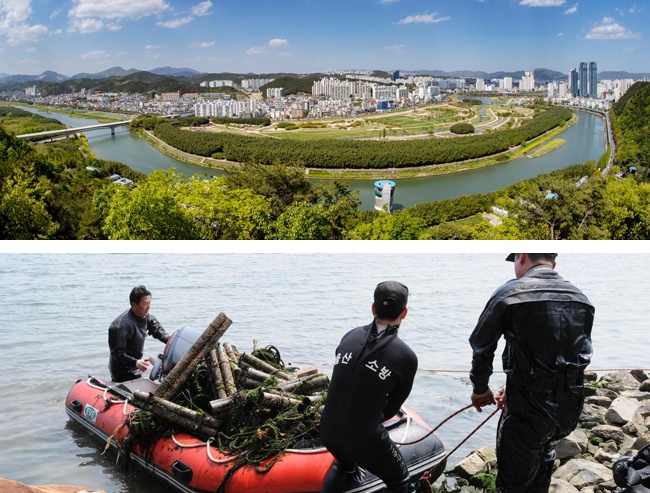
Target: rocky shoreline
x=615 y=422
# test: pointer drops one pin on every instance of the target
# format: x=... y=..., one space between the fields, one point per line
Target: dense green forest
x=357 y=154
x=60 y=191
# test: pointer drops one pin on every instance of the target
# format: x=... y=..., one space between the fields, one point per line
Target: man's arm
x=156 y=330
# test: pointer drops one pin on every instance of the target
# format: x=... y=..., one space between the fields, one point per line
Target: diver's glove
x=483 y=399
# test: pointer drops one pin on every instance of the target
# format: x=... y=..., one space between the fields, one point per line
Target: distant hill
x=175 y=72
x=611 y=75
x=47 y=76
x=111 y=72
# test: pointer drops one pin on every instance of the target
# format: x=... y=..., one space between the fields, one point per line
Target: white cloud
x=387 y=2
x=116 y=9
x=204 y=44
x=14 y=25
x=152 y=47
x=274 y=43
x=572 y=10
x=423 y=19
x=396 y=48
x=202 y=9
x=284 y=54
x=174 y=23
x=85 y=26
x=256 y=50
x=542 y=3
x=610 y=29
x=95 y=54
x=87 y=16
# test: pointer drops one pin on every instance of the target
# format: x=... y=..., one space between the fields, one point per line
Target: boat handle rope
x=207 y=449
x=107 y=400
x=409 y=418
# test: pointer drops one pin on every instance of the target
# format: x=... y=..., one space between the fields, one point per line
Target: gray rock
x=598 y=400
x=645 y=386
x=561 y=486
x=637 y=394
x=605 y=457
x=592 y=415
x=609 y=432
x=622 y=410
x=607 y=393
x=609 y=446
x=639 y=375
x=636 y=427
x=583 y=473
x=644 y=410
x=571 y=445
x=479 y=461
x=619 y=381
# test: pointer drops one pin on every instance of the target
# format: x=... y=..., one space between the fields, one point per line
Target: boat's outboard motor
x=177 y=345
x=632 y=474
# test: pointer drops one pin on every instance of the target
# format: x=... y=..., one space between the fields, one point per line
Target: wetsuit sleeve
x=119 y=333
x=484 y=341
x=398 y=395
x=156 y=330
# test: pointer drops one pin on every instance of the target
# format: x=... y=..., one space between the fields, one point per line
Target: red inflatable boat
x=190 y=464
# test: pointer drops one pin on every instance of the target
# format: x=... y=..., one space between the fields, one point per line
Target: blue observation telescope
x=384 y=191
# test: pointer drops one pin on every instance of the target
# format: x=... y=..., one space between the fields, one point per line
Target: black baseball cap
x=391 y=297
x=550 y=256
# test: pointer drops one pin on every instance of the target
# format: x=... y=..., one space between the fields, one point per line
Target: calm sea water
x=55 y=310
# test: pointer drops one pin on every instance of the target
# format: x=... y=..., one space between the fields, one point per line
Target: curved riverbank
x=373 y=174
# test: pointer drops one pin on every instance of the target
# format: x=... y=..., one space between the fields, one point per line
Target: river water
x=585 y=141
x=55 y=310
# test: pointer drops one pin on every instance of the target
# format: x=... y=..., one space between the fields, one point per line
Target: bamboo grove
x=357 y=154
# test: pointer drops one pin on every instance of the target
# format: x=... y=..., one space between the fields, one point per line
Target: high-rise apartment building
x=593 y=80
x=528 y=81
x=573 y=83
x=583 y=73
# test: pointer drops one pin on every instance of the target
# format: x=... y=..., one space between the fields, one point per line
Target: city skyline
x=306 y=36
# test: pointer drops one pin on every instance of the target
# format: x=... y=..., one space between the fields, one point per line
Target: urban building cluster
x=341 y=94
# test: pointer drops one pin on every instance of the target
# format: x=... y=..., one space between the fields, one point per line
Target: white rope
x=112 y=401
x=207 y=444
x=408 y=424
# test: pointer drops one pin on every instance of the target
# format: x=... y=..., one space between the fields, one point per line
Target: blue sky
x=304 y=36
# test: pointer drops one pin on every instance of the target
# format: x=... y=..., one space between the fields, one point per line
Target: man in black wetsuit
x=126 y=337
x=546 y=323
x=372 y=377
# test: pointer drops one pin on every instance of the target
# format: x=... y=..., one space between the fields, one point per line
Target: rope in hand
x=447 y=419
x=472 y=432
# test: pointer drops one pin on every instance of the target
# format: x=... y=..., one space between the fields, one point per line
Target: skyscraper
x=593 y=80
x=584 y=80
x=573 y=83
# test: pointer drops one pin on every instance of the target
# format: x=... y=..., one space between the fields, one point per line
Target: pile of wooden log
x=235 y=374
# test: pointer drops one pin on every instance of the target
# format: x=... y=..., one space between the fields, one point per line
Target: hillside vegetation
x=631 y=123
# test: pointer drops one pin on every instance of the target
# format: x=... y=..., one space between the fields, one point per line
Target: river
x=56 y=308
x=585 y=141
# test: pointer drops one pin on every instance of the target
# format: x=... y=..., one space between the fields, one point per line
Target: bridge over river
x=72 y=131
